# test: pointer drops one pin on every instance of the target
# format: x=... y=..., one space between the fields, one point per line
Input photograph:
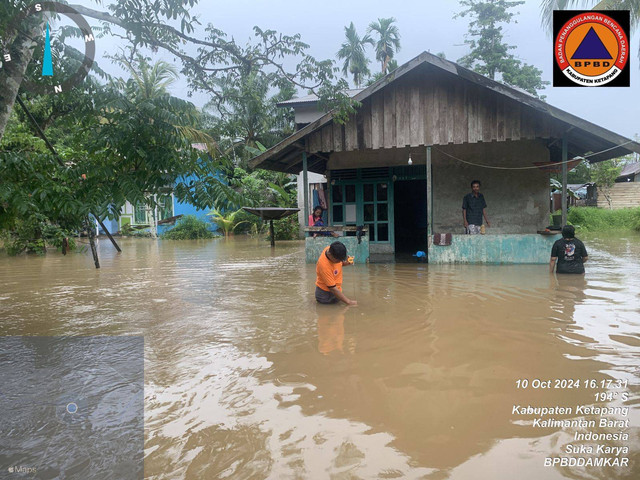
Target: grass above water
x=592 y=218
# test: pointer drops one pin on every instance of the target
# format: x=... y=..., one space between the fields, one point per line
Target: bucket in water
x=420 y=255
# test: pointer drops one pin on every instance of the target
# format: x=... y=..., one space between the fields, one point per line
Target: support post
x=565 y=155
x=429 y=195
x=305 y=185
x=92 y=241
x=272 y=234
x=113 y=241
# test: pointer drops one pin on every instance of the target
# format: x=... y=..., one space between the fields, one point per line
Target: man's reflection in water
x=331 y=335
x=569 y=292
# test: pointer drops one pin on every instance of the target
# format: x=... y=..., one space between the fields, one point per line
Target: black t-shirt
x=570 y=254
x=474 y=206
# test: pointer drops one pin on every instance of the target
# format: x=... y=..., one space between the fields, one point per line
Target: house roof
x=312 y=98
x=605 y=143
x=630 y=169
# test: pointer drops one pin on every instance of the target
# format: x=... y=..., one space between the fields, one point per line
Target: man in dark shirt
x=473 y=209
x=569 y=252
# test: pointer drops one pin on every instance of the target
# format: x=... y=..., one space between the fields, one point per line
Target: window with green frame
x=140 y=214
x=362 y=203
x=165 y=206
x=376 y=210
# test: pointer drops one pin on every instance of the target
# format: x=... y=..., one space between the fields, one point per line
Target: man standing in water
x=473 y=209
x=569 y=252
x=329 y=274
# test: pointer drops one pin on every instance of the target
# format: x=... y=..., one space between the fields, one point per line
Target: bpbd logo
x=591 y=48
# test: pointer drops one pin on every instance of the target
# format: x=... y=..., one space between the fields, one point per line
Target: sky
x=424 y=25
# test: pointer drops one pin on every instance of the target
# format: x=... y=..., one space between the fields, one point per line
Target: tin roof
x=310 y=99
x=630 y=169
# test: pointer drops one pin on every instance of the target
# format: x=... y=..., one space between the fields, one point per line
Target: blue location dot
x=72 y=407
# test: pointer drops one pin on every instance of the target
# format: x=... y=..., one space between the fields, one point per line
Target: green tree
x=352 y=51
x=128 y=141
x=249 y=116
x=490 y=55
x=604 y=174
x=150 y=24
x=387 y=43
x=580 y=174
x=227 y=221
x=548 y=6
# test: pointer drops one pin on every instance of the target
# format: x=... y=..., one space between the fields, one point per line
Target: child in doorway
x=315 y=220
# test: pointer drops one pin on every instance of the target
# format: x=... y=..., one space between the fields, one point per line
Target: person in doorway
x=569 y=253
x=474 y=208
x=315 y=220
x=329 y=274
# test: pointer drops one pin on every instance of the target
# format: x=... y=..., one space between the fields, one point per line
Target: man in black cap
x=569 y=252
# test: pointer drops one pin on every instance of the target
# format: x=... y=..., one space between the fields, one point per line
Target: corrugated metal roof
x=630 y=169
x=314 y=98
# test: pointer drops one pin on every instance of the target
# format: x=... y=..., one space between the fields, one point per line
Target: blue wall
x=179 y=208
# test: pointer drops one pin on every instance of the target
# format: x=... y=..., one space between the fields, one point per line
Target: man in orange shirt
x=329 y=274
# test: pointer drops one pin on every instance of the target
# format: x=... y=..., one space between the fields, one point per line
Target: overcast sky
x=424 y=25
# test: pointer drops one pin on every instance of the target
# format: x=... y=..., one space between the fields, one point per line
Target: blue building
x=140 y=217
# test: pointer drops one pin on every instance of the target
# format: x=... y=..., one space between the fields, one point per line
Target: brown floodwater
x=246 y=377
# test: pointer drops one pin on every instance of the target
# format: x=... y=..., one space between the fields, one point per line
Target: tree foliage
x=208 y=57
x=489 y=54
x=604 y=174
x=249 y=117
x=129 y=141
x=387 y=43
x=352 y=52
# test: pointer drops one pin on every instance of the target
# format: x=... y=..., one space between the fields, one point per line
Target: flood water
x=246 y=377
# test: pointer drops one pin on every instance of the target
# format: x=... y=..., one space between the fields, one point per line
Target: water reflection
x=247 y=377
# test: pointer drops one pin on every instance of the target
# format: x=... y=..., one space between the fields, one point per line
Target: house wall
x=307 y=113
x=495 y=249
x=623 y=195
x=517 y=200
x=431 y=107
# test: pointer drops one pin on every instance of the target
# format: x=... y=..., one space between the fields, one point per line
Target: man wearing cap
x=569 y=253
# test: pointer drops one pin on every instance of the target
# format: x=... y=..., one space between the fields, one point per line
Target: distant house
x=630 y=173
x=625 y=193
x=306 y=110
x=137 y=216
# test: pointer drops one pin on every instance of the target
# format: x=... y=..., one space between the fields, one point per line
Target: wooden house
x=401 y=165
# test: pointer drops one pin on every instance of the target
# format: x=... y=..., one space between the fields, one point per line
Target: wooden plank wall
x=426 y=110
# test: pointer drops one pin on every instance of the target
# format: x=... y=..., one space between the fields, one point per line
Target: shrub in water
x=189 y=227
x=286 y=228
x=33 y=234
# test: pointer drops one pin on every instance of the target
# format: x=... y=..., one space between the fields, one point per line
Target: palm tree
x=388 y=43
x=353 y=54
x=548 y=6
x=149 y=81
x=227 y=221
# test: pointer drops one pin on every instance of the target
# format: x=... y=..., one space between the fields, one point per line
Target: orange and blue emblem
x=591 y=49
